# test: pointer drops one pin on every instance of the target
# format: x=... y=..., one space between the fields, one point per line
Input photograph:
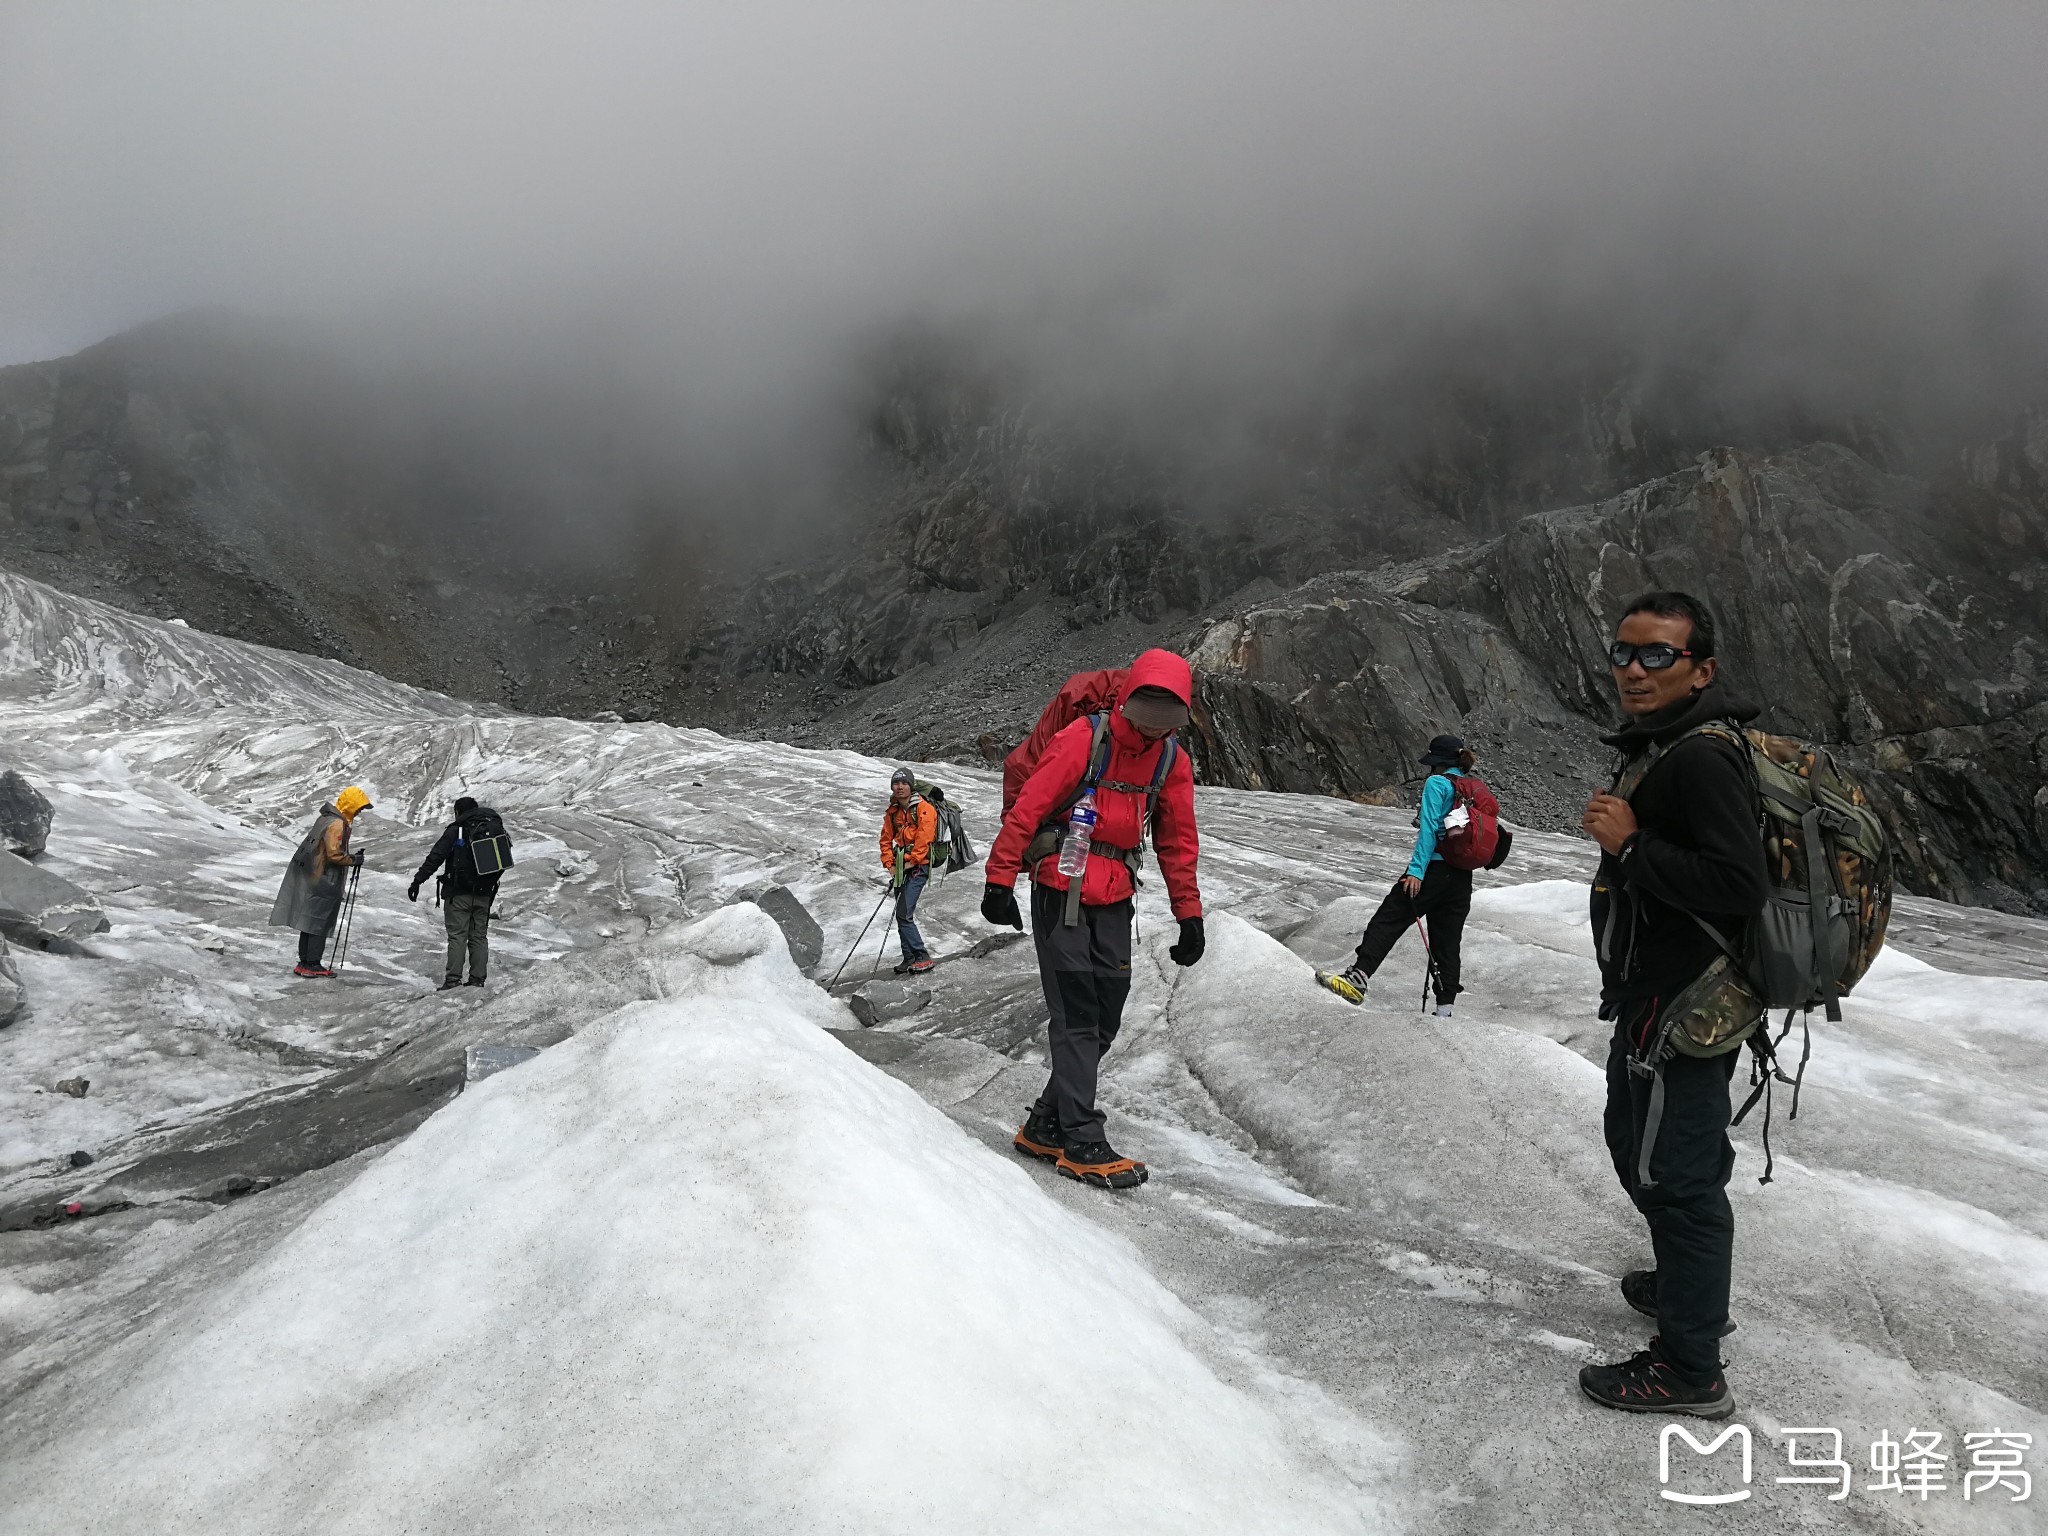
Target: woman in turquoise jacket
x=1431 y=890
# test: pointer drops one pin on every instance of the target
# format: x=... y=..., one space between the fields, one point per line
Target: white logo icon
x=1733 y=1432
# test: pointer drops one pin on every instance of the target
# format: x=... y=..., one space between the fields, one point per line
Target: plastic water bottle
x=1080 y=830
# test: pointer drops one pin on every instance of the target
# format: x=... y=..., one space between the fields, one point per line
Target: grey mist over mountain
x=851 y=374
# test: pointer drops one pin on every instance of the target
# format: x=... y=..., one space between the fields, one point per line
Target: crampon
x=1097 y=1163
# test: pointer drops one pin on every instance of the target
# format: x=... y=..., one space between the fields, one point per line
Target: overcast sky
x=734 y=189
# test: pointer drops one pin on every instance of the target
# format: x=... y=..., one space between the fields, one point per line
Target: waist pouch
x=1711 y=1016
x=1714 y=1013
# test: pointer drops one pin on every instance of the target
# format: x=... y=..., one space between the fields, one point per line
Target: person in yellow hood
x=310 y=897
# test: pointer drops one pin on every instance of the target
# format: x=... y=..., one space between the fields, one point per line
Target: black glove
x=1191 y=944
x=412 y=892
x=358 y=859
x=999 y=906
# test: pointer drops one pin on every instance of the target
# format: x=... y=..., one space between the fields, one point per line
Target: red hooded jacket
x=1120 y=813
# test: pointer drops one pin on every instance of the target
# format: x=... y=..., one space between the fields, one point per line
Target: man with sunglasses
x=1681 y=848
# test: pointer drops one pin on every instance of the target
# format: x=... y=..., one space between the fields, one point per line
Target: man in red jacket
x=1084 y=948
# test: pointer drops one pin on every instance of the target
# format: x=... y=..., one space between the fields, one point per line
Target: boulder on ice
x=12 y=994
x=800 y=930
x=42 y=910
x=24 y=816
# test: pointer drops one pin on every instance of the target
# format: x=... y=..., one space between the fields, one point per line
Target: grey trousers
x=1086 y=972
x=468 y=915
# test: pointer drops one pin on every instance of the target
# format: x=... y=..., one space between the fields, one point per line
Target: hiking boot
x=1040 y=1136
x=901 y=968
x=1443 y=1010
x=922 y=964
x=303 y=969
x=1647 y=1383
x=1349 y=985
x=474 y=981
x=1098 y=1163
x=1639 y=1290
x=449 y=984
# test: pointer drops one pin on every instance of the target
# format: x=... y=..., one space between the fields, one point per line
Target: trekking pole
x=1428 y=955
x=882 y=948
x=857 y=942
x=348 y=916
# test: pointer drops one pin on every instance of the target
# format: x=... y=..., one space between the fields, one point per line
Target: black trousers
x=1692 y=1226
x=1443 y=904
x=311 y=947
x=1086 y=972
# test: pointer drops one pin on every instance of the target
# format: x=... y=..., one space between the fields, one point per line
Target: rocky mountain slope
x=1350 y=584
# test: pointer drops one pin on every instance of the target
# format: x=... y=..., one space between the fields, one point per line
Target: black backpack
x=482 y=832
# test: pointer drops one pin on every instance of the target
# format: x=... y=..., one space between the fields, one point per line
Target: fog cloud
x=712 y=213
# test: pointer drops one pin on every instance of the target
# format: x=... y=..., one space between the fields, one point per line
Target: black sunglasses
x=1655 y=656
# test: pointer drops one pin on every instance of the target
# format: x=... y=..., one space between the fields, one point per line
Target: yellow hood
x=351 y=801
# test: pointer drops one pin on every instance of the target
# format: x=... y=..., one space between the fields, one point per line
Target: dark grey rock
x=482 y=1061
x=994 y=942
x=76 y=1087
x=891 y=999
x=24 y=816
x=42 y=910
x=1856 y=607
x=1859 y=608
x=81 y=1159
x=13 y=995
x=1338 y=686
x=800 y=930
x=255 y=1144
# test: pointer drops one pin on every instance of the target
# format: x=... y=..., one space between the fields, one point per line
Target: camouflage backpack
x=950 y=849
x=1830 y=867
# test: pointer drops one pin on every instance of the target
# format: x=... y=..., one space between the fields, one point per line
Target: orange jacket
x=913 y=828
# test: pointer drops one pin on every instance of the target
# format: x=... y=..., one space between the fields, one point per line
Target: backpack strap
x=1632 y=774
x=1098 y=764
x=1630 y=779
x=1098 y=753
x=1819 y=890
x=1648 y=1060
x=1766 y=1068
x=1167 y=756
x=1091 y=776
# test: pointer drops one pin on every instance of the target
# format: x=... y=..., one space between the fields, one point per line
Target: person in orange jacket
x=909 y=828
x=1084 y=943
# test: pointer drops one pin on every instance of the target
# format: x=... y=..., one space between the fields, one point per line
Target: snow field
x=697 y=1267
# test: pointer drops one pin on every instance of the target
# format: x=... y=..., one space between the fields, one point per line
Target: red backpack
x=1085 y=693
x=1471 y=837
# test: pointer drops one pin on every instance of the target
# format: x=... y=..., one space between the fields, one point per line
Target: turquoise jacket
x=1438 y=796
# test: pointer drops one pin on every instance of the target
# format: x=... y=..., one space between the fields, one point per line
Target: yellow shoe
x=1350 y=985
